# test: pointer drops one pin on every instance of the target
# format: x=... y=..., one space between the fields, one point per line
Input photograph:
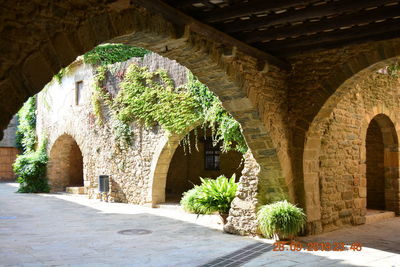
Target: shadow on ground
x=46 y=230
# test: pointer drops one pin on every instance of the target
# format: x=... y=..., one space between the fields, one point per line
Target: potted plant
x=213 y=195
x=280 y=220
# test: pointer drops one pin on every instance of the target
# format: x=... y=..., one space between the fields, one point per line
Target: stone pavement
x=70 y=230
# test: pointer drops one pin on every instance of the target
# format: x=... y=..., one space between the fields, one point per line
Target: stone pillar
x=242 y=215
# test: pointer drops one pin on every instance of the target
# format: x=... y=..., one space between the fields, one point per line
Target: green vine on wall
x=151 y=97
x=30 y=166
x=112 y=53
x=25 y=134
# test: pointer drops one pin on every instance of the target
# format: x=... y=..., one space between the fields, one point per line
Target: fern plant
x=213 y=195
x=216 y=195
x=280 y=220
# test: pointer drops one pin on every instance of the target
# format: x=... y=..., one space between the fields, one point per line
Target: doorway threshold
x=378 y=215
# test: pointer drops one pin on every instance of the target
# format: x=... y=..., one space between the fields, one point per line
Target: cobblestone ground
x=65 y=230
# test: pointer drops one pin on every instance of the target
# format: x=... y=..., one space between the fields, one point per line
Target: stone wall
x=342 y=161
x=9 y=133
x=134 y=170
x=58 y=116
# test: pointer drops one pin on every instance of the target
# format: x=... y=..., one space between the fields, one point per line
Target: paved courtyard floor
x=70 y=230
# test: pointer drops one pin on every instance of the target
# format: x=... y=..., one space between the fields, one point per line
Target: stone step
x=172 y=206
x=378 y=215
x=78 y=190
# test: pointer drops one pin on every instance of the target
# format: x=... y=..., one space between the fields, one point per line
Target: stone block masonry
x=137 y=172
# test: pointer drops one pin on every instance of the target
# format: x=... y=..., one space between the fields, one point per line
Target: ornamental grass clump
x=280 y=220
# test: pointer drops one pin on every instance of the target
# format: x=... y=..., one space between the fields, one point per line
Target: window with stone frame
x=211 y=155
x=78 y=92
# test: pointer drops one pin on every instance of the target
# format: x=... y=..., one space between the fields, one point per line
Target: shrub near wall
x=30 y=167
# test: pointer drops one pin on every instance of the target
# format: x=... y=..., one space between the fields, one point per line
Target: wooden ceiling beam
x=182 y=4
x=331 y=9
x=288 y=52
x=182 y=20
x=251 y=7
x=321 y=39
x=347 y=20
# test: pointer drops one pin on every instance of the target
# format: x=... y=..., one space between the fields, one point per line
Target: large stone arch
x=316 y=78
x=257 y=99
x=312 y=140
x=65 y=166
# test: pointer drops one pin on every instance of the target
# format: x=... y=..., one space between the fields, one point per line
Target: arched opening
x=320 y=126
x=375 y=171
x=65 y=164
x=203 y=160
x=381 y=164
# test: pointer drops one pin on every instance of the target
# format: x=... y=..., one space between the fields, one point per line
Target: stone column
x=242 y=215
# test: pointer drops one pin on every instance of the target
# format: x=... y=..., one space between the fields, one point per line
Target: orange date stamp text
x=315 y=246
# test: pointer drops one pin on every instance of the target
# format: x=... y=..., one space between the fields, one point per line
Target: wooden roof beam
x=182 y=20
x=251 y=7
x=287 y=52
x=325 y=38
x=347 y=20
x=331 y=9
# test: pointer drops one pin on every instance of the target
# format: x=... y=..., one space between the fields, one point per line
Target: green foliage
x=152 y=98
x=25 y=135
x=112 y=53
x=393 y=70
x=30 y=167
x=100 y=94
x=31 y=171
x=216 y=195
x=225 y=129
x=60 y=75
x=213 y=195
x=189 y=201
x=281 y=219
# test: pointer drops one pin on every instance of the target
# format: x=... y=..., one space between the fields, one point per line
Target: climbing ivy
x=111 y=53
x=25 y=134
x=225 y=129
x=393 y=70
x=30 y=166
x=152 y=98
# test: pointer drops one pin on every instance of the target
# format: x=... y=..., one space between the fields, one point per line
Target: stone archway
x=65 y=167
x=318 y=79
x=312 y=144
x=255 y=97
x=159 y=169
x=382 y=164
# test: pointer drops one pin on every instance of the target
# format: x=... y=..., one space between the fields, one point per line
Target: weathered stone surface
x=242 y=215
x=346 y=149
